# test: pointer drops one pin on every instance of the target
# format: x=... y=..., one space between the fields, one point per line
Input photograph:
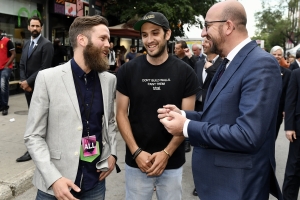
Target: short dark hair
x=35 y=18
x=82 y=25
x=182 y=43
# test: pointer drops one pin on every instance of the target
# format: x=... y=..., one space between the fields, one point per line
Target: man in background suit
x=296 y=63
x=37 y=55
x=291 y=183
x=197 y=51
x=234 y=136
x=183 y=52
x=205 y=70
x=71 y=131
x=278 y=53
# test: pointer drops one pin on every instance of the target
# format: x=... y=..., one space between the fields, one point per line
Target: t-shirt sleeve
x=10 y=46
x=192 y=84
x=127 y=56
x=121 y=80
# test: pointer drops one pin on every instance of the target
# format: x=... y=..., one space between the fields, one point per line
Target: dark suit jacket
x=294 y=65
x=210 y=73
x=234 y=136
x=190 y=61
x=285 y=75
x=292 y=103
x=201 y=58
x=40 y=58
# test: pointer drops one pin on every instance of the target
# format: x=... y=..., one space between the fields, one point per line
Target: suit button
x=76 y=153
x=79 y=128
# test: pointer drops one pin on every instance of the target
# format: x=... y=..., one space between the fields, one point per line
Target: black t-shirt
x=149 y=87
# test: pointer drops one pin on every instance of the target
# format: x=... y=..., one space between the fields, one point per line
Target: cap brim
x=138 y=25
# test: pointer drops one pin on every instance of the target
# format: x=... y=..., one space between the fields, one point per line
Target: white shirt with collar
x=35 y=40
x=230 y=57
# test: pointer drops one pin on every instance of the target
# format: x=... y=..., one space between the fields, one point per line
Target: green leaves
x=178 y=12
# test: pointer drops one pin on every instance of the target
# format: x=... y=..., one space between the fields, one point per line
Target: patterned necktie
x=222 y=70
x=30 y=48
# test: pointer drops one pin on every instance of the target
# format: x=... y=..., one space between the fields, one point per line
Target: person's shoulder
x=108 y=75
x=296 y=71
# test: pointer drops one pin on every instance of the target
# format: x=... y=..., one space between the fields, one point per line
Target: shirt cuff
x=186 y=123
x=183 y=113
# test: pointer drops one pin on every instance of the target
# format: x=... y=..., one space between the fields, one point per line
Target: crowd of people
x=228 y=102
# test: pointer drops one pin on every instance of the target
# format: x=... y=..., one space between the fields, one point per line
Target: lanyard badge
x=89 y=149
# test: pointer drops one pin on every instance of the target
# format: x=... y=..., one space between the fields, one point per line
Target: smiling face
x=214 y=29
x=277 y=54
x=154 y=40
x=35 y=28
x=97 y=49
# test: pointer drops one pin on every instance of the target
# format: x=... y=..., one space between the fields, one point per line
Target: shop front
x=13 y=21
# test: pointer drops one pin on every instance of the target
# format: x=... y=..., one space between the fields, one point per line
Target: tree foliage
x=279 y=24
x=178 y=12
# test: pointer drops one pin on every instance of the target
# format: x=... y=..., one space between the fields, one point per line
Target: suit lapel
x=105 y=95
x=68 y=80
x=35 y=46
x=231 y=69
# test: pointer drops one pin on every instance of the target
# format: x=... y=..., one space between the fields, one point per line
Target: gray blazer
x=54 y=127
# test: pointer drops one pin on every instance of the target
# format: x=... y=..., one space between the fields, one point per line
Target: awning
x=123 y=31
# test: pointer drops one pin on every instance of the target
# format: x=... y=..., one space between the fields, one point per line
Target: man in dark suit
x=37 y=55
x=296 y=63
x=277 y=52
x=197 y=51
x=205 y=70
x=234 y=136
x=291 y=183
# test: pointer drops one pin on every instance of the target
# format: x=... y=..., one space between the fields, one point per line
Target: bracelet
x=136 y=153
x=167 y=153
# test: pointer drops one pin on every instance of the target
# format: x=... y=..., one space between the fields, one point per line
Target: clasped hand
x=153 y=165
x=170 y=116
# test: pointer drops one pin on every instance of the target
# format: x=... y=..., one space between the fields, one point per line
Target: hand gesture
x=61 y=189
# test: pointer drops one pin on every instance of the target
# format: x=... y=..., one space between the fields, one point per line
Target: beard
x=93 y=58
x=35 y=33
x=161 y=50
x=216 y=43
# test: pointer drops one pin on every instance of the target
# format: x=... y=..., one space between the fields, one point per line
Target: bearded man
x=37 y=55
x=71 y=132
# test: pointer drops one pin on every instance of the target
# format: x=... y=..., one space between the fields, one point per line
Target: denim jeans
x=139 y=186
x=4 y=86
x=97 y=193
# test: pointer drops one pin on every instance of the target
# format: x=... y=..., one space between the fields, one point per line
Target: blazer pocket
x=226 y=90
x=233 y=160
x=55 y=154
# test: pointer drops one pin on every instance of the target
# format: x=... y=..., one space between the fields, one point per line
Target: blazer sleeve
x=47 y=55
x=35 y=133
x=291 y=101
x=112 y=128
x=250 y=120
x=22 y=62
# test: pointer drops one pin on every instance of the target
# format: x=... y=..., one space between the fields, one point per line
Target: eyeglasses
x=211 y=22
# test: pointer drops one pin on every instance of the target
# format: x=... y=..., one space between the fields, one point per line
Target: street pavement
x=15 y=178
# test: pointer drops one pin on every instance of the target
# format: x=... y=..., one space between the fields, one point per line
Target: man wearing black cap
x=154 y=158
x=132 y=54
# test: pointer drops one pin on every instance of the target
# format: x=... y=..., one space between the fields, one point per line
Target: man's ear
x=168 y=34
x=82 y=40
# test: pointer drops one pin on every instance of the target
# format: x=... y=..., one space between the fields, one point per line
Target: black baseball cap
x=132 y=46
x=154 y=18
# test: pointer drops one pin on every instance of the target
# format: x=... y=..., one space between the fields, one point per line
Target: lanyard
x=86 y=110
